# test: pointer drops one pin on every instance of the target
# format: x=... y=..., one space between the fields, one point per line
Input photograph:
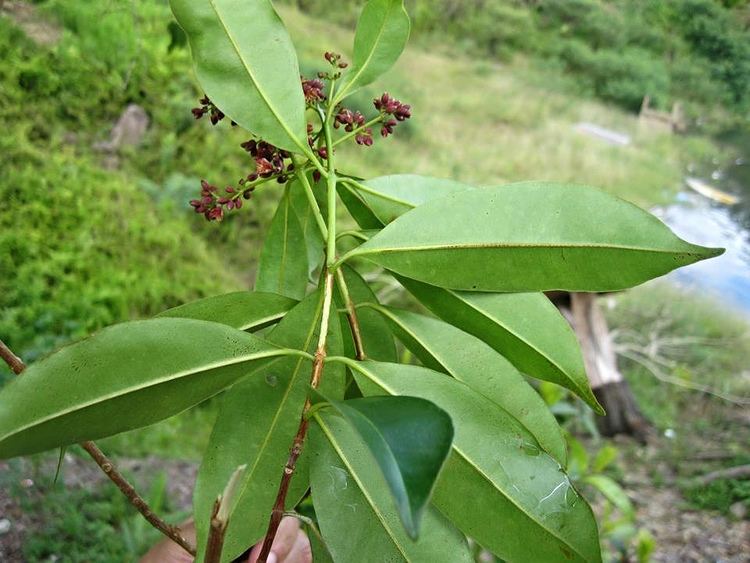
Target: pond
x=701 y=220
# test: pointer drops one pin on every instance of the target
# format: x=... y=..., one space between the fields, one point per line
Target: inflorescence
x=272 y=163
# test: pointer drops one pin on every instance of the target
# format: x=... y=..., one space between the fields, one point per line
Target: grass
x=486 y=123
x=679 y=345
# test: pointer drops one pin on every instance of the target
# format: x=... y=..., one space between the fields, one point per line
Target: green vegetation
x=674 y=345
x=697 y=51
x=93 y=524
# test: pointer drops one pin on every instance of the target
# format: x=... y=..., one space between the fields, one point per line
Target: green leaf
x=123 y=377
x=526 y=328
x=410 y=439
x=604 y=458
x=498 y=486
x=256 y=423
x=613 y=492
x=283 y=259
x=313 y=239
x=530 y=237
x=356 y=512
x=445 y=348
x=320 y=553
x=382 y=33
x=245 y=62
x=357 y=208
x=243 y=310
x=389 y=197
x=376 y=334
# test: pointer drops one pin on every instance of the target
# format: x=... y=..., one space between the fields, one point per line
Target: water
x=702 y=221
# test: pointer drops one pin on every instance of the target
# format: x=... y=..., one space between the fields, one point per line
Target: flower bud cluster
x=392 y=111
x=213 y=206
x=207 y=107
x=334 y=59
x=313 y=91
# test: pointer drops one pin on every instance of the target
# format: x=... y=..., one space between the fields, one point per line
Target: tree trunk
x=610 y=388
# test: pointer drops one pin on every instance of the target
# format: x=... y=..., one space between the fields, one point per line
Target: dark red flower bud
x=263 y=167
x=313 y=90
x=403 y=112
x=364 y=138
x=316 y=176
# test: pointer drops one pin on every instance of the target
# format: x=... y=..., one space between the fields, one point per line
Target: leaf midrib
x=363 y=250
x=260 y=90
x=263 y=320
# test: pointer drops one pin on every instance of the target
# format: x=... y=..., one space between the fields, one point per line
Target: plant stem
x=356 y=131
x=320 y=352
x=172 y=532
x=331 y=180
x=216 y=532
x=14 y=362
x=299 y=439
x=354 y=234
x=362 y=187
x=351 y=316
x=302 y=177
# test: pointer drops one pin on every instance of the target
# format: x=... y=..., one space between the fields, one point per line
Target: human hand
x=290 y=546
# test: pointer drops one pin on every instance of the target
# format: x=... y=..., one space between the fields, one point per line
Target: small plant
x=401 y=462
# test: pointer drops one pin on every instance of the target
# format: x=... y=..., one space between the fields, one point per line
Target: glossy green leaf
x=410 y=439
x=389 y=197
x=530 y=237
x=445 y=348
x=123 y=377
x=526 y=328
x=243 y=310
x=382 y=33
x=376 y=334
x=245 y=62
x=357 y=208
x=499 y=487
x=356 y=513
x=257 y=421
x=313 y=239
x=283 y=259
